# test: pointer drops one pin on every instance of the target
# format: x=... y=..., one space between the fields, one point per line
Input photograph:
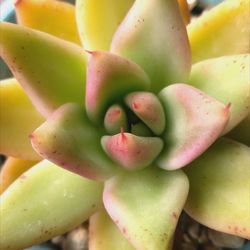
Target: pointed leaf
x=44 y=202
x=68 y=139
x=219 y=188
x=224 y=30
x=115 y=119
x=154 y=36
x=51 y=71
x=104 y=234
x=51 y=16
x=195 y=121
x=131 y=151
x=97 y=21
x=11 y=170
x=227 y=80
x=18 y=119
x=146 y=205
x=109 y=78
x=149 y=109
x=241 y=132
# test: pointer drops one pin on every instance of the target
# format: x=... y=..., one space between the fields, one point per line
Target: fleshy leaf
x=146 y=205
x=148 y=108
x=219 y=188
x=227 y=80
x=131 y=151
x=44 y=202
x=11 y=170
x=241 y=132
x=224 y=30
x=51 y=16
x=51 y=70
x=104 y=234
x=115 y=119
x=18 y=119
x=68 y=139
x=195 y=121
x=109 y=78
x=154 y=36
x=97 y=21
x=183 y=5
x=140 y=129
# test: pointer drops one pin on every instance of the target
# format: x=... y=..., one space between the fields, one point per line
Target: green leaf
x=146 y=204
x=241 y=132
x=226 y=79
x=104 y=234
x=154 y=36
x=194 y=121
x=219 y=188
x=68 y=139
x=224 y=30
x=97 y=21
x=44 y=202
x=18 y=119
x=109 y=79
x=51 y=70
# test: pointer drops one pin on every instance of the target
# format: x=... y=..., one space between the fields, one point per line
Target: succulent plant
x=121 y=125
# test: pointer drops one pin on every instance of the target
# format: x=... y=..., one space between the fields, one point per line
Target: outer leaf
x=11 y=170
x=154 y=36
x=219 y=191
x=241 y=132
x=195 y=121
x=51 y=16
x=51 y=71
x=109 y=79
x=18 y=119
x=146 y=204
x=227 y=80
x=68 y=139
x=105 y=235
x=224 y=30
x=184 y=10
x=97 y=21
x=44 y=202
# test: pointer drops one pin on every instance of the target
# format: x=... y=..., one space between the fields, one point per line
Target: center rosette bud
x=116 y=95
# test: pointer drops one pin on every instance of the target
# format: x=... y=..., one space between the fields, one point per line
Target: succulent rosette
x=121 y=124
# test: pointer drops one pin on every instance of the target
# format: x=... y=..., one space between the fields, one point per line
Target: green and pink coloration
x=128 y=114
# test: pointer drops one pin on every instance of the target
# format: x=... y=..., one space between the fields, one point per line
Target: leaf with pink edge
x=18 y=118
x=68 y=139
x=51 y=70
x=109 y=79
x=98 y=20
x=44 y=202
x=154 y=36
x=104 y=234
x=146 y=204
x=223 y=30
x=226 y=79
x=219 y=188
x=194 y=121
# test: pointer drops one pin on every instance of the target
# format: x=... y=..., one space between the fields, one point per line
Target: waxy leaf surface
x=104 y=234
x=44 y=202
x=154 y=36
x=146 y=204
x=224 y=30
x=219 y=188
x=194 y=121
x=18 y=118
x=68 y=139
x=51 y=70
x=98 y=20
x=54 y=17
x=226 y=79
